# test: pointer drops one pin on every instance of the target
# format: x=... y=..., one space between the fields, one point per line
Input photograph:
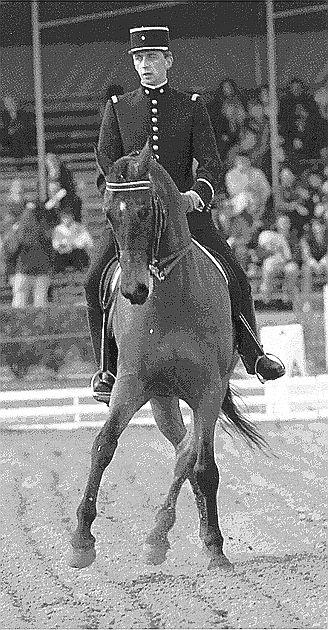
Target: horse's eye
x=143 y=213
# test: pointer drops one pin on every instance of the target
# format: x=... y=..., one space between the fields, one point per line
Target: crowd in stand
x=38 y=239
x=272 y=241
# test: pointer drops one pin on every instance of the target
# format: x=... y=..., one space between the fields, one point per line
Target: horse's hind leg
x=169 y=420
x=207 y=477
x=120 y=413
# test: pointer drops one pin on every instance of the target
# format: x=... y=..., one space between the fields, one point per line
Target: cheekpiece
x=142 y=184
x=149 y=38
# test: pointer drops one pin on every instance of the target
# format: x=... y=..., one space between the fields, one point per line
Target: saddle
x=109 y=283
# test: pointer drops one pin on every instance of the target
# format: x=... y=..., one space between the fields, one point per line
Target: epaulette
x=195 y=96
x=114 y=98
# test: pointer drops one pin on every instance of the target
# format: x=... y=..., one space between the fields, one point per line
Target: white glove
x=194 y=200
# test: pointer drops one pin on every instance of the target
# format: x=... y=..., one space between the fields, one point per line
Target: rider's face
x=152 y=66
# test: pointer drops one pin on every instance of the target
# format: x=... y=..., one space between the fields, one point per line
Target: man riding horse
x=179 y=130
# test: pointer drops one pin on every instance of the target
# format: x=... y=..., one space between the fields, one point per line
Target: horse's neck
x=177 y=235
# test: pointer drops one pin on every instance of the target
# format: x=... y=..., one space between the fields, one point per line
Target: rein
x=160 y=269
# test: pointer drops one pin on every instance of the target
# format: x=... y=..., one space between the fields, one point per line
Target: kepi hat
x=149 y=38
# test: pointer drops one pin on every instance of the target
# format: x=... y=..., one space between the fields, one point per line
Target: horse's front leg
x=207 y=475
x=123 y=406
x=169 y=420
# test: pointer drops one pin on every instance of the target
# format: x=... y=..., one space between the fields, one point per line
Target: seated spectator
x=60 y=177
x=255 y=140
x=300 y=123
x=314 y=250
x=7 y=265
x=228 y=114
x=72 y=243
x=29 y=243
x=276 y=252
x=15 y=202
x=17 y=130
x=248 y=188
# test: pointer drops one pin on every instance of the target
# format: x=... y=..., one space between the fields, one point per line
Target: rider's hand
x=194 y=201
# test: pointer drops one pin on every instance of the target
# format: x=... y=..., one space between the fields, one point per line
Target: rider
x=180 y=129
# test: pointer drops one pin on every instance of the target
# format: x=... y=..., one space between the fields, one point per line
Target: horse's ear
x=144 y=159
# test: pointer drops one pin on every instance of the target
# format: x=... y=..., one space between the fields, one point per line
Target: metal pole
x=38 y=93
x=274 y=142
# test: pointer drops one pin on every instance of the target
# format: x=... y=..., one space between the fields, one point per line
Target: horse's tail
x=234 y=419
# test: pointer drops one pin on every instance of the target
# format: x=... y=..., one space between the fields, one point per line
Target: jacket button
x=155 y=147
x=154 y=110
x=155 y=129
x=155 y=138
x=154 y=102
x=161 y=91
x=156 y=156
x=146 y=91
x=154 y=120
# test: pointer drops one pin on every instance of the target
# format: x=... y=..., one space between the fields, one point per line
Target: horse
x=176 y=340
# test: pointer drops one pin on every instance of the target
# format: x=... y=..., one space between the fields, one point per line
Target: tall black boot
x=249 y=348
x=105 y=353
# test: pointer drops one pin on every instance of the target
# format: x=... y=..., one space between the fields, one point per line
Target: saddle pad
x=231 y=280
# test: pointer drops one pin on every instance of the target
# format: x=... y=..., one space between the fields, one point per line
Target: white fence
x=75 y=408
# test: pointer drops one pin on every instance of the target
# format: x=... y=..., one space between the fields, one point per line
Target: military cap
x=149 y=38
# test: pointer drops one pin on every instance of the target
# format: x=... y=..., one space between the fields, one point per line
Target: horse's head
x=130 y=208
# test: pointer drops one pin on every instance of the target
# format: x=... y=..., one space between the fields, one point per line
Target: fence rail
x=308 y=401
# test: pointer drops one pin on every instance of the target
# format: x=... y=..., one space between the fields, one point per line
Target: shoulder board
x=194 y=97
x=114 y=98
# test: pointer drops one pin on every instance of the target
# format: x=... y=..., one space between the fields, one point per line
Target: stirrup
x=270 y=356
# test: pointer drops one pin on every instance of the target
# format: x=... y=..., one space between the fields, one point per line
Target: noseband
x=159 y=269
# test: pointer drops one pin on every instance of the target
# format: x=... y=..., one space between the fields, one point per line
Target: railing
x=308 y=398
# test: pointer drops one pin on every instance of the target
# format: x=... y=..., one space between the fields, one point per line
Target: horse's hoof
x=155 y=554
x=219 y=561
x=81 y=558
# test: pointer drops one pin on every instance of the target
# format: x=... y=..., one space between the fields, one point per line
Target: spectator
x=248 y=188
x=15 y=202
x=301 y=124
x=60 y=177
x=255 y=139
x=30 y=245
x=276 y=252
x=263 y=96
x=7 y=265
x=72 y=243
x=314 y=250
x=228 y=114
x=17 y=130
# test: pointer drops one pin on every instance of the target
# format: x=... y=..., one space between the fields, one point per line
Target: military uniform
x=179 y=129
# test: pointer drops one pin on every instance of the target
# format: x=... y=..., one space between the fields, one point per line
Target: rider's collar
x=154 y=89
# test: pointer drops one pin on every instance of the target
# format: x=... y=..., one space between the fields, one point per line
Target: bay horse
x=175 y=336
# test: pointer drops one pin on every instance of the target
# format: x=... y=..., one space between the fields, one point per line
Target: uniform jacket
x=179 y=130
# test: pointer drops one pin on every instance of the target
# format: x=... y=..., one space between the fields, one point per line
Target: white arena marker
x=287 y=342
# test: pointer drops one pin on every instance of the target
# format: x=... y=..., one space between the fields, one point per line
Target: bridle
x=158 y=268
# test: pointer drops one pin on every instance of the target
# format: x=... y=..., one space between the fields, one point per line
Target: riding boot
x=250 y=350
x=105 y=355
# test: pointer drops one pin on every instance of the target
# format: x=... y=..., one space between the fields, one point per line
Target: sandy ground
x=272 y=516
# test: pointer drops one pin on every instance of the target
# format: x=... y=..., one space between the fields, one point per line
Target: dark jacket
x=179 y=129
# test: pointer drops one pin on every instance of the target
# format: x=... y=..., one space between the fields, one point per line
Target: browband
x=143 y=184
